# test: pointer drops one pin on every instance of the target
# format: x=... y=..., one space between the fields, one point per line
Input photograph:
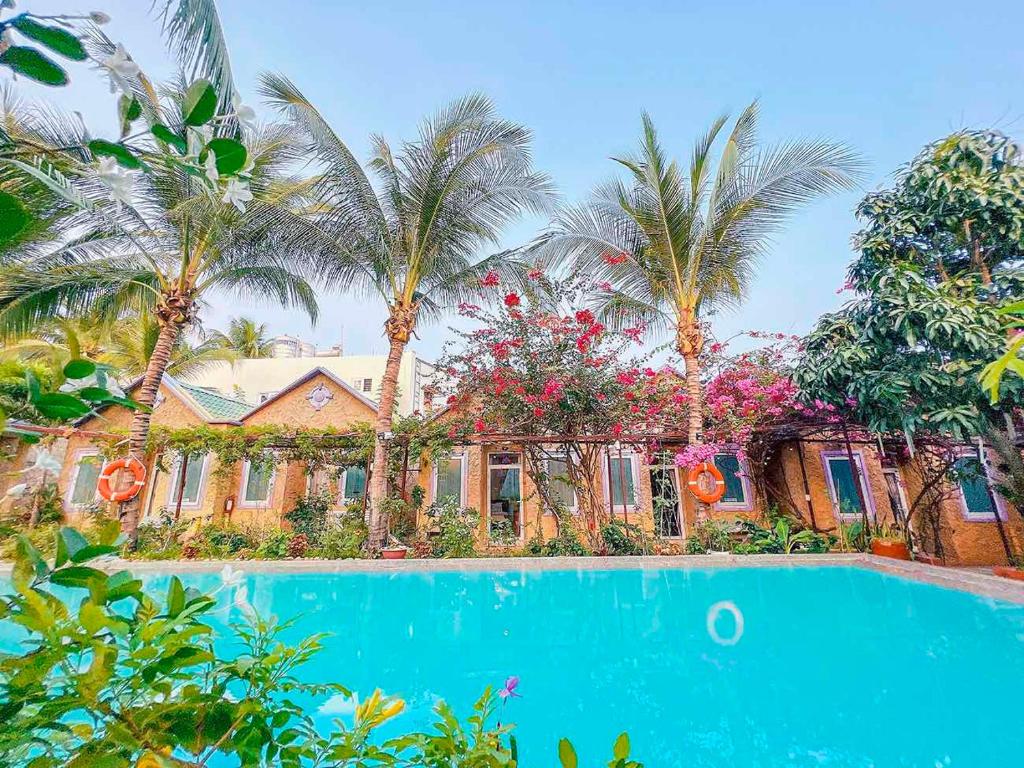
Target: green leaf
x=13 y=217
x=30 y=63
x=129 y=109
x=621 y=749
x=92 y=551
x=60 y=406
x=33 y=385
x=56 y=39
x=119 y=152
x=175 y=597
x=80 y=576
x=566 y=754
x=167 y=136
x=200 y=103
x=231 y=155
x=94 y=394
x=73 y=542
x=79 y=369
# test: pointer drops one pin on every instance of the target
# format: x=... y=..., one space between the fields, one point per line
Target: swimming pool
x=806 y=666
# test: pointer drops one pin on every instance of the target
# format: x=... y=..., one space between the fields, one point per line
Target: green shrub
x=274 y=545
x=310 y=515
x=457 y=529
x=158 y=540
x=622 y=538
x=709 y=536
x=566 y=544
x=342 y=538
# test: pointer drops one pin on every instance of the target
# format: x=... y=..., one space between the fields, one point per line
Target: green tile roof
x=218 y=406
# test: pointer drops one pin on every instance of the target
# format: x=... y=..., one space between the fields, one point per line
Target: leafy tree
x=194 y=204
x=938 y=265
x=673 y=244
x=246 y=338
x=413 y=238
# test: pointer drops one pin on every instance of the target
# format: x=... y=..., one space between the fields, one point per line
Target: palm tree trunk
x=399 y=327
x=695 y=399
x=139 y=433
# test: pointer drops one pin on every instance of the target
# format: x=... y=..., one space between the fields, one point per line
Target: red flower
x=452 y=399
x=512 y=300
x=490 y=280
x=479 y=425
x=538 y=412
x=535 y=274
x=616 y=429
x=585 y=317
x=614 y=258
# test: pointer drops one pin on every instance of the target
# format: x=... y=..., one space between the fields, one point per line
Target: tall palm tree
x=174 y=245
x=246 y=338
x=412 y=239
x=133 y=341
x=674 y=244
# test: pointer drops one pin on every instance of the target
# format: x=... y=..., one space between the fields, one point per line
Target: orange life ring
x=134 y=466
x=693 y=481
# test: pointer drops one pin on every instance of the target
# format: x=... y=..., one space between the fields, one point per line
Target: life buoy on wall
x=693 y=482
x=134 y=466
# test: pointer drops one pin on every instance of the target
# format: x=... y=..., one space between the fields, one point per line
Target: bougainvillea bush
x=540 y=367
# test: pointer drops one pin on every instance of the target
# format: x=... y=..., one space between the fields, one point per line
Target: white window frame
x=245 y=503
x=634 y=470
x=861 y=474
x=463 y=460
x=747 y=505
x=175 y=473
x=343 y=501
x=575 y=506
x=518 y=465
x=990 y=479
x=77 y=457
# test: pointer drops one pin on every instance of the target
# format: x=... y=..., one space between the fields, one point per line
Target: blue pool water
x=827 y=666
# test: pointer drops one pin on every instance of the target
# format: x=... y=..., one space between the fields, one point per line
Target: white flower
x=238 y=194
x=99 y=17
x=231 y=576
x=246 y=115
x=17 y=491
x=242 y=602
x=120 y=66
x=45 y=462
x=211 y=167
x=117 y=180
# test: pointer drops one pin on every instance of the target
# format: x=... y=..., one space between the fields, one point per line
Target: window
x=448 y=480
x=364 y=385
x=87 y=474
x=353 y=484
x=257 y=483
x=504 y=493
x=845 y=500
x=737 y=495
x=194 y=471
x=977 y=499
x=623 y=484
x=668 y=522
x=562 y=491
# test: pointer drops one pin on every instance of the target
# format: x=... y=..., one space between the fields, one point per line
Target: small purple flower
x=509 y=691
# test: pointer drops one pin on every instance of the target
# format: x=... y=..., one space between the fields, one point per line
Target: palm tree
x=175 y=245
x=674 y=245
x=412 y=239
x=247 y=338
x=133 y=341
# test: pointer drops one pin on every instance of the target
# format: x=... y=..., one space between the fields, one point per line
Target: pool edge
x=974 y=582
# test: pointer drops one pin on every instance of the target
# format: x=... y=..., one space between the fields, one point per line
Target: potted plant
x=1015 y=570
x=889 y=541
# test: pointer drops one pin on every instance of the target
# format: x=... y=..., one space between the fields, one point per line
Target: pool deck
x=977 y=581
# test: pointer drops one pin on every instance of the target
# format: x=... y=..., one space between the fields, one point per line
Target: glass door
x=505 y=498
x=665 y=499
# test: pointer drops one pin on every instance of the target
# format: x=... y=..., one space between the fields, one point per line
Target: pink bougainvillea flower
x=538 y=412
x=512 y=300
x=509 y=691
x=614 y=258
x=616 y=429
x=585 y=317
x=479 y=425
x=535 y=274
x=490 y=280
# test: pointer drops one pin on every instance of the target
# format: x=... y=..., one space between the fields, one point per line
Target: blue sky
x=885 y=78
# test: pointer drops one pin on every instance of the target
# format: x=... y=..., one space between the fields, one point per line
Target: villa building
x=807 y=475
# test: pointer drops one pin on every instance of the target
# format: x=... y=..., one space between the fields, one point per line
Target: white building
x=255 y=380
x=292 y=346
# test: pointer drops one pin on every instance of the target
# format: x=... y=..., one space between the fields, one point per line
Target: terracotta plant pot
x=393 y=553
x=928 y=559
x=897 y=550
x=1009 y=572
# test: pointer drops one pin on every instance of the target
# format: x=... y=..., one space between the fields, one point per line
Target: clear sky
x=886 y=78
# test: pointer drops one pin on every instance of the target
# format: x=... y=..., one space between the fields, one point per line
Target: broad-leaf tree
x=409 y=229
x=674 y=242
